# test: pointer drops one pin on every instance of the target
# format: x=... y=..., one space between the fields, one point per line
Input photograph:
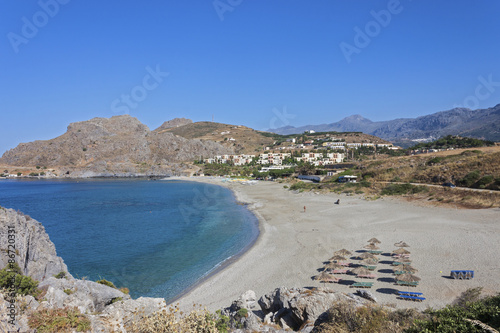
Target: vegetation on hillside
x=452 y=141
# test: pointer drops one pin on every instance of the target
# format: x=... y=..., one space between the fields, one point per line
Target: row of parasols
x=339 y=264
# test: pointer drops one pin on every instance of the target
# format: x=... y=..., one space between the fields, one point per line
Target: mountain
x=119 y=145
x=482 y=123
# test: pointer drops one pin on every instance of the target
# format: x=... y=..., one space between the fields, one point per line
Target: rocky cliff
x=118 y=146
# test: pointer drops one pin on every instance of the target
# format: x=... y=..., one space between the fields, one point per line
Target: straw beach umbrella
x=403 y=260
x=337 y=258
x=325 y=277
x=366 y=255
x=401 y=250
x=374 y=241
x=371 y=246
x=343 y=252
x=408 y=268
x=401 y=244
x=369 y=262
x=407 y=277
x=332 y=266
x=361 y=271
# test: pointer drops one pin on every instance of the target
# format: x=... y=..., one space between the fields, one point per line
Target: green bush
x=469 y=179
x=481 y=183
x=401 y=189
x=15 y=283
x=107 y=283
x=60 y=275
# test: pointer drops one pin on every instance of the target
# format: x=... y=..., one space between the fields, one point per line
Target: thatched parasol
x=366 y=255
x=337 y=258
x=361 y=271
x=401 y=244
x=403 y=260
x=374 y=241
x=408 y=268
x=369 y=261
x=371 y=246
x=325 y=277
x=333 y=266
x=407 y=277
x=343 y=252
x=401 y=251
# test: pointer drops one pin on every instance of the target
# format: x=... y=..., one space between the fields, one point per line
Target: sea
x=159 y=238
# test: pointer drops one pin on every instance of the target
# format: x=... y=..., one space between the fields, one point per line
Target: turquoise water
x=157 y=238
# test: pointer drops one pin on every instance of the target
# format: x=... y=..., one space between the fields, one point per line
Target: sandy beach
x=293 y=245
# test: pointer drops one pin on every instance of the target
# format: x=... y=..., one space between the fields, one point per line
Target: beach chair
x=405 y=283
x=371 y=268
x=340 y=271
x=368 y=276
x=361 y=285
x=375 y=252
x=462 y=274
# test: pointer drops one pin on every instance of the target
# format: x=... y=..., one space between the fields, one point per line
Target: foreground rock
x=108 y=309
x=298 y=309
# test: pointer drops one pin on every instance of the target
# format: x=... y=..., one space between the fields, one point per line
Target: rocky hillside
x=118 y=146
x=482 y=123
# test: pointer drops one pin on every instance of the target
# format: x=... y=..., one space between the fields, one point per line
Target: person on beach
x=304 y=209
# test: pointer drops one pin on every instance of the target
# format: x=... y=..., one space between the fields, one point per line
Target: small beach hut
x=332 y=266
x=408 y=268
x=401 y=244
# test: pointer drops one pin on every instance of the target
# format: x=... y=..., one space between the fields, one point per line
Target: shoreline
x=225 y=264
x=292 y=245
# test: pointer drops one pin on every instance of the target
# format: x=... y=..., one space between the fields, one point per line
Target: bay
x=157 y=238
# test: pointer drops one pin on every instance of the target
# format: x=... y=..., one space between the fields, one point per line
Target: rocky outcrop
x=288 y=308
x=118 y=146
x=34 y=252
x=176 y=122
x=108 y=309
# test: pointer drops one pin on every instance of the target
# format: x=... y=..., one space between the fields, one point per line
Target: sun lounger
x=368 y=276
x=371 y=268
x=412 y=298
x=405 y=283
x=375 y=252
x=344 y=263
x=409 y=293
x=340 y=271
x=401 y=272
x=398 y=263
x=401 y=256
x=362 y=284
x=462 y=274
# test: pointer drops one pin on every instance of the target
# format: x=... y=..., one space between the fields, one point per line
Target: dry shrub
x=59 y=320
x=175 y=321
x=345 y=316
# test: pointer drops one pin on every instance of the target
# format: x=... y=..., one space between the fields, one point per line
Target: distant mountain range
x=481 y=123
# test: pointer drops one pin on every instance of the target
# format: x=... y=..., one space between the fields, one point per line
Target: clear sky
x=260 y=63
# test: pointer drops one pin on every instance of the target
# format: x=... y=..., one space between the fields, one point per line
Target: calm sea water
x=158 y=238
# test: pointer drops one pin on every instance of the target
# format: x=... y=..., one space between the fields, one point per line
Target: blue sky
x=259 y=63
